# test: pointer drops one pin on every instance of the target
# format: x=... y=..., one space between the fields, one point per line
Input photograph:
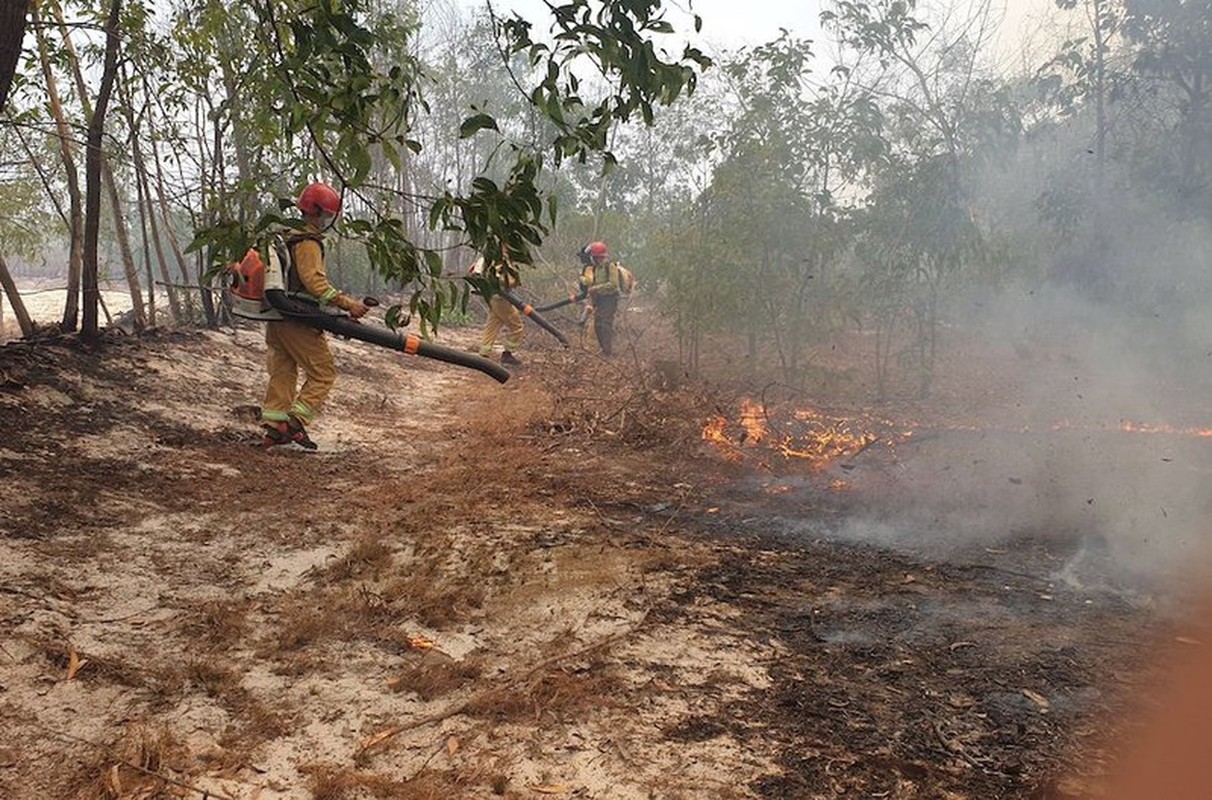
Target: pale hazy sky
x=733 y=23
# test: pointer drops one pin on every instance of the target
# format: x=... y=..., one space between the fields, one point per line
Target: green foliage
x=884 y=27
x=327 y=92
x=615 y=37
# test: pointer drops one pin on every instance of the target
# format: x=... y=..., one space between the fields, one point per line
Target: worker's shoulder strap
x=292 y=238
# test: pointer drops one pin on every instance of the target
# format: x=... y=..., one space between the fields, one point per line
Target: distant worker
x=501 y=314
x=603 y=282
x=293 y=346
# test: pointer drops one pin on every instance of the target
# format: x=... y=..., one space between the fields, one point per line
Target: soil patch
x=553 y=587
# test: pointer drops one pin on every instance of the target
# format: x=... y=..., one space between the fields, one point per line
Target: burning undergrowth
x=773 y=435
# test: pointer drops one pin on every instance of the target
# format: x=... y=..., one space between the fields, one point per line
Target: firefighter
x=501 y=314
x=292 y=346
x=603 y=282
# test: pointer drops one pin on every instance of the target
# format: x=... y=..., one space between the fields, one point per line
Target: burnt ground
x=552 y=588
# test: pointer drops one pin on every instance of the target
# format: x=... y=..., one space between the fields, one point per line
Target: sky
x=734 y=23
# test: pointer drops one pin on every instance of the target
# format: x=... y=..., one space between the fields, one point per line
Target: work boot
x=509 y=358
x=283 y=433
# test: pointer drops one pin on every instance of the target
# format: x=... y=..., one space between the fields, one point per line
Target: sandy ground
x=44 y=302
x=550 y=588
x=199 y=590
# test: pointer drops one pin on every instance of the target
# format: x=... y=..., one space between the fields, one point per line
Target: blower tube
x=530 y=311
x=310 y=315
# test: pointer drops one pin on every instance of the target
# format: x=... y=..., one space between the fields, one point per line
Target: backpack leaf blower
x=258 y=292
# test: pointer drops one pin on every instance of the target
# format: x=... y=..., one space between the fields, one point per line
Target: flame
x=1143 y=427
x=753 y=420
x=714 y=432
x=818 y=439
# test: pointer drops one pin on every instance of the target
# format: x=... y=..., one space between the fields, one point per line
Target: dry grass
x=555 y=693
x=432 y=679
x=142 y=763
x=257 y=724
x=72 y=663
x=307 y=620
x=217 y=624
x=433 y=602
x=330 y=782
x=367 y=558
x=217 y=680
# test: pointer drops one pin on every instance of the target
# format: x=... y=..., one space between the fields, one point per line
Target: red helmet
x=319 y=198
x=597 y=250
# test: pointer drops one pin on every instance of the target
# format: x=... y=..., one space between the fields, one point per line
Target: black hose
x=310 y=315
x=559 y=304
x=529 y=311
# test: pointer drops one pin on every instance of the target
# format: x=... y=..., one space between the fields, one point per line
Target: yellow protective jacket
x=504 y=279
x=307 y=272
x=612 y=278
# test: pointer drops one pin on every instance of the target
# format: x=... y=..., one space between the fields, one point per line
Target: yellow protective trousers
x=501 y=314
x=293 y=347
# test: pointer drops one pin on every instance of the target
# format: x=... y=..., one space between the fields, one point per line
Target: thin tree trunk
x=71 y=307
x=143 y=193
x=165 y=278
x=173 y=242
x=145 y=210
x=14 y=299
x=92 y=173
x=107 y=177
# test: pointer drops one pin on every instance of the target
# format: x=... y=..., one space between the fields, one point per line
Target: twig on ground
x=458 y=708
x=207 y=794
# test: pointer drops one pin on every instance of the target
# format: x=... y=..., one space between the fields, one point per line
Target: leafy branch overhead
x=348 y=91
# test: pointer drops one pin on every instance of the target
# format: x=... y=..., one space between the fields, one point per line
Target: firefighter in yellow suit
x=604 y=281
x=293 y=347
x=501 y=314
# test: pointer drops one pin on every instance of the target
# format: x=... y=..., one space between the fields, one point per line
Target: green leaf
x=476 y=123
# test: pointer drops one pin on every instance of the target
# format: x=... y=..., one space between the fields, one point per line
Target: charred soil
x=549 y=588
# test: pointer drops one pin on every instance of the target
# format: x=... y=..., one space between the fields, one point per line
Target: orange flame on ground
x=824 y=440
x=713 y=432
x=1143 y=427
x=753 y=420
x=820 y=439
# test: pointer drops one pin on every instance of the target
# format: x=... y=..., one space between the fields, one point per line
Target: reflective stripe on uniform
x=302 y=411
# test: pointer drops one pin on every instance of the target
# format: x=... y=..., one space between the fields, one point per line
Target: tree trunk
x=107 y=176
x=170 y=234
x=71 y=308
x=12 y=31
x=145 y=210
x=128 y=259
x=14 y=299
x=92 y=173
x=173 y=301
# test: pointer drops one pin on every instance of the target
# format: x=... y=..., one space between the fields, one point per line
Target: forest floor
x=548 y=588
